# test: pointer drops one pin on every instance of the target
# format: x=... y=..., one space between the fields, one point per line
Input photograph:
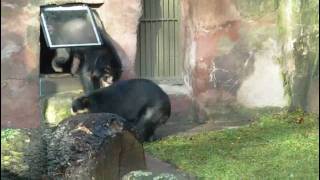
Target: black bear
x=98 y=66
x=141 y=102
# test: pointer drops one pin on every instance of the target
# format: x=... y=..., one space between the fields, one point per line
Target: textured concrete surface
x=264 y=87
x=19 y=65
x=235 y=52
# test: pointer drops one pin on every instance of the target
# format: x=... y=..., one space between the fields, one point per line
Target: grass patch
x=281 y=145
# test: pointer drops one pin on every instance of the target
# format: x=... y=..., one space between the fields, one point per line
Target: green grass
x=274 y=147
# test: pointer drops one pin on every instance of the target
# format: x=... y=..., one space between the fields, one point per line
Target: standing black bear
x=97 y=66
x=141 y=102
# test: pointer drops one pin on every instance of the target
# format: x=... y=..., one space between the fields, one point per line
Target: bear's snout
x=79 y=105
x=75 y=107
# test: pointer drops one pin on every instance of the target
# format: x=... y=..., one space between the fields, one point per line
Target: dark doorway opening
x=46 y=56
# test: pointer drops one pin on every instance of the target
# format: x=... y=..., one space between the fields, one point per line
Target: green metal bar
x=158 y=40
x=174 y=37
x=163 y=49
x=169 y=58
x=146 y=44
x=166 y=47
x=171 y=37
x=145 y=40
x=179 y=61
x=151 y=60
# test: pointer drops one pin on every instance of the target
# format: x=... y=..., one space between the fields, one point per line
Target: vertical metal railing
x=158 y=55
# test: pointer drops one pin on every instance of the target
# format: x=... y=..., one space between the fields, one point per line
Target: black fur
x=93 y=64
x=141 y=102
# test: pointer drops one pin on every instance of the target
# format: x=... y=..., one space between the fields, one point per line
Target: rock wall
x=245 y=53
x=298 y=25
x=19 y=64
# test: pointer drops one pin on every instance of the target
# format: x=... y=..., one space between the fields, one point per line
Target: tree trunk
x=93 y=146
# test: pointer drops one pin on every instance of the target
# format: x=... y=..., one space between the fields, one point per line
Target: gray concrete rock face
x=93 y=146
x=19 y=64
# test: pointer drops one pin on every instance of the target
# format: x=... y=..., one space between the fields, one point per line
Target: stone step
x=58 y=83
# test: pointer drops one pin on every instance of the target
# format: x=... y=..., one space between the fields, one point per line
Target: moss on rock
x=23 y=152
x=58 y=108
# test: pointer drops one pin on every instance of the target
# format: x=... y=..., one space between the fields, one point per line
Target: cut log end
x=94 y=146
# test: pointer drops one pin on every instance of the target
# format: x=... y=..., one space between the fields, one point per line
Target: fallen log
x=93 y=146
